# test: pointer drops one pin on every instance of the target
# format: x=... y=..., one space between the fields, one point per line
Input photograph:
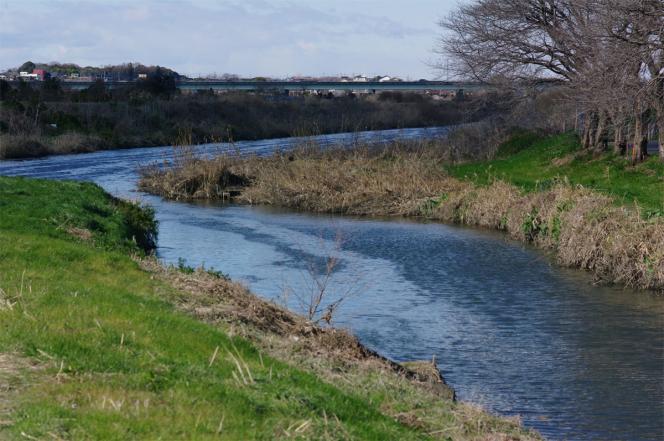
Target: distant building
x=389 y=79
x=360 y=79
x=142 y=76
x=41 y=74
x=27 y=76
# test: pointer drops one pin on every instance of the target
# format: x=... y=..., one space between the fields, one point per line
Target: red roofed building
x=41 y=74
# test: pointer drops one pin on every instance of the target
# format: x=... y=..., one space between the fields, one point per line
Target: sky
x=277 y=38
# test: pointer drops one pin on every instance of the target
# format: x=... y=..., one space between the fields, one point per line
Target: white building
x=28 y=76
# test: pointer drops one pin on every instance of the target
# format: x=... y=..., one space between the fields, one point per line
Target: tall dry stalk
x=322 y=293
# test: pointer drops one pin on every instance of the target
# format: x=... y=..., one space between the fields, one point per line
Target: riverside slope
x=120 y=350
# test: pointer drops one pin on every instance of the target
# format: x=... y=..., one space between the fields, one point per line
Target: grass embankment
x=95 y=344
x=536 y=163
x=526 y=192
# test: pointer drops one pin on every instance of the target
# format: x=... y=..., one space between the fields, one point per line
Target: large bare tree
x=608 y=53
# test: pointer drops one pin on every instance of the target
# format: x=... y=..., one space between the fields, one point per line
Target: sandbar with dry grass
x=581 y=227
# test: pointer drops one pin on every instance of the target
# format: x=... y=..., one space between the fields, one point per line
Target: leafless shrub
x=476 y=141
x=322 y=293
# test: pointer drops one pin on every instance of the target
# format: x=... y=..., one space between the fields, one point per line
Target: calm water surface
x=510 y=331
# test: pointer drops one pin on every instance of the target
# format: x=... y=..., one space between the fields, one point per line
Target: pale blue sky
x=247 y=37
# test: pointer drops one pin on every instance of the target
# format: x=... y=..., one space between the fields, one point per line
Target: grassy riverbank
x=95 y=344
x=535 y=163
x=606 y=219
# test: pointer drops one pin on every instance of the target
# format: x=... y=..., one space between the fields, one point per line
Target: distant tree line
x=119 y=72
x=40 y=117
x=608 y=55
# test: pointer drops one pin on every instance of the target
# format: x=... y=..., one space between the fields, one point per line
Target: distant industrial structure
x=294 y=86
x=300 y=87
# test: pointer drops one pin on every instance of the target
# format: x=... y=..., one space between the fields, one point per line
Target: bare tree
x=516 y=39
x=637 y=26
x=607 y=53
x=322 y=292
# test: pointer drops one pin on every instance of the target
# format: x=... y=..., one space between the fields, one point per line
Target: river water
x=510 y=330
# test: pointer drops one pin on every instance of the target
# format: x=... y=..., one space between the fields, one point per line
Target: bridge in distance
x=284 y=86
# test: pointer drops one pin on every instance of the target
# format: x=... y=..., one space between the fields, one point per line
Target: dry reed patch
x=365 y=180
x=583 y=228
x=394 y=184
x=616 y=244
x=413 y=395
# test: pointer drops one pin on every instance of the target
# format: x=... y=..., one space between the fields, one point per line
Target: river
x=509 y=329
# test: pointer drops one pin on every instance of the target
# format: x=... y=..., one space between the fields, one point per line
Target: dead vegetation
x=80 y=233
x=414 y=394
x=582 y=228
x=364 y=180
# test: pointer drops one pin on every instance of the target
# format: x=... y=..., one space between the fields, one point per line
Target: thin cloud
x=254 y=37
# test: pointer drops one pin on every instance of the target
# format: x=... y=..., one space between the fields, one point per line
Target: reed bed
x=583 y=228
x=364 y=180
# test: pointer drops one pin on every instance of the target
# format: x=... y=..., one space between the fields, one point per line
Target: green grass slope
x=534 y=162
x=115 y=360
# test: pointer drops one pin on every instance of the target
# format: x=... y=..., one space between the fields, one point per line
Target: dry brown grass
x=583 y=228
x=362 y=181
x=35 y=145
x=414 y=394
x=395 y=182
